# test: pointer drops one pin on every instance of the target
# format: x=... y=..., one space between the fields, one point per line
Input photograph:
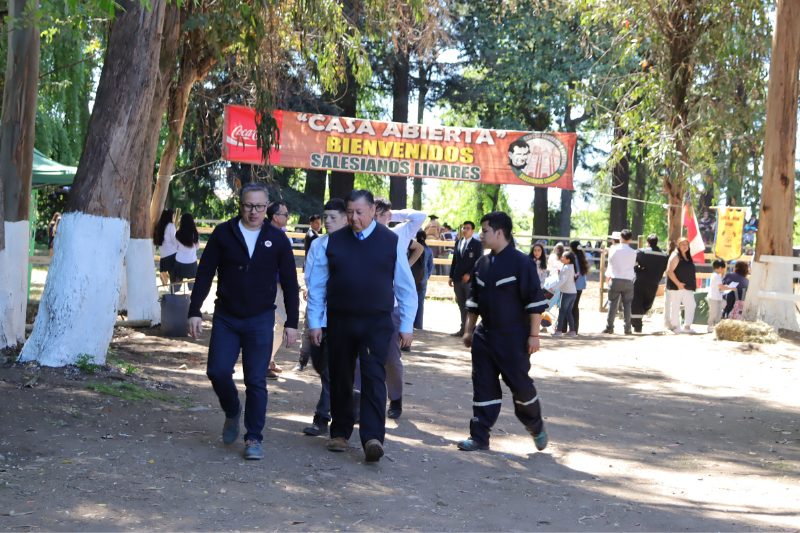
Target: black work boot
x=318 y=427
x=395 y=408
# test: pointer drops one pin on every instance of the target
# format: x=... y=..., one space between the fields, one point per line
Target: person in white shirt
x=187 y=243
x=164 y=238
x=554 y=263
x=716 y=303
x=620 y=276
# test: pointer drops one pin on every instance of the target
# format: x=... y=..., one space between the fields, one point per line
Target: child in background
x=566 y=283
x=715 y=301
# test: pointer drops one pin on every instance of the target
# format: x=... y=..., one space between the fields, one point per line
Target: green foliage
x=135 y=393
x=122 y=366
x=86 y=363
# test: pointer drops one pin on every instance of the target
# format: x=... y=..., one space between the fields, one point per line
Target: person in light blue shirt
x=358 y=274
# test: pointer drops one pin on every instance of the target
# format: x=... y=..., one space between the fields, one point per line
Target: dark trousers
x=576 y=313
x=462 y=294
x=349 y=336
x=319 y=360
x=644 y=294
x=502 y=354
x=420 y=305
x=253 y=336
x=394 y=363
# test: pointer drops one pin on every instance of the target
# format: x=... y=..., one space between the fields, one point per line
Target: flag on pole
x=696 y=247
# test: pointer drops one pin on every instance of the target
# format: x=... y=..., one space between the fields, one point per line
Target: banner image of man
x=519 y=152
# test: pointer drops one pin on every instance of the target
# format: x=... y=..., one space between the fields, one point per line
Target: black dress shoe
x=470 y=445
x=609 y=331
x=395 y=408
x=406 y=349
x=458 y=334
x=318 y=427
x=300 y=366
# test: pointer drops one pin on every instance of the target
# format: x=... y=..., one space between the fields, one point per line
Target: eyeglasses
x=259 y=208
x=286 y=214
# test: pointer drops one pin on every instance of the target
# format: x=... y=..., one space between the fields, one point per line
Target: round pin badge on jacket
x=267 y=243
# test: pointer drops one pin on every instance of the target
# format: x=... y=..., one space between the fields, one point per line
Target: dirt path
x=655 y=432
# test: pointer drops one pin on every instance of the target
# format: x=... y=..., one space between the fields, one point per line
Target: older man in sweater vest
x=362 y=270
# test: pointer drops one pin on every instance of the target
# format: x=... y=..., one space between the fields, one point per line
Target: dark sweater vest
x=361 y=281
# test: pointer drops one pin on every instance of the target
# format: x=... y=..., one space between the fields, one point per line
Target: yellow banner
x=728 y=241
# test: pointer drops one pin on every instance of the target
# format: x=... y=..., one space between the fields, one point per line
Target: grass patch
x=86 y=363
x=123 y=367
x=57 y=423
x=135 y=393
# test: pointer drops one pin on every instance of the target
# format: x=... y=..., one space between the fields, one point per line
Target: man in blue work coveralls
x=506 y=294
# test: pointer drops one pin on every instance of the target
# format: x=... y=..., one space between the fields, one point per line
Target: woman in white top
x=164 y=238
x=569 y=293
x=554 y=261
x=188 y=242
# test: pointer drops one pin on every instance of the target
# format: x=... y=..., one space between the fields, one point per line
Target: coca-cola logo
x=240 y=133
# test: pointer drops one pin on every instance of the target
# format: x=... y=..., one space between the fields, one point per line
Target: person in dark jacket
x=650 y=265
x=247 y=255
x=505 y=293
x=465 y=253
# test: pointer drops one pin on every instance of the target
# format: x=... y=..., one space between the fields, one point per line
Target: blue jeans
x=420 y=305
x=565 y=311
x=254 y=337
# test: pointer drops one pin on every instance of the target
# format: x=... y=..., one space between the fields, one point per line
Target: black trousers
x=644 y=294
x=502 y=354
x=347 y=338
x=462 y=294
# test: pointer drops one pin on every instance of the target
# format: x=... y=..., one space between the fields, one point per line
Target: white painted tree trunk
x=142 y=283
x=773 y=277
x=16 y=266
x=122 y=301
x=85 y=269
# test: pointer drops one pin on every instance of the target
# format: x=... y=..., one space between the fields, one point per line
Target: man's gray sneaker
x=231 y=428
x=252 y=450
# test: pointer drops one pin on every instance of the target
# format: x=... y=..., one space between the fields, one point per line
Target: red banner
x=372 y=147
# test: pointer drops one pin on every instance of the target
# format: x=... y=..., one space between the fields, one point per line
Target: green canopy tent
x=48 y=172
x=45 y=172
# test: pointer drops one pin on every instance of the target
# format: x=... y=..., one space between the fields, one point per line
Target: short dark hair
x=718 y=263
x=652 y=239
x=273 y=208
x=499 y=220
x=471 y=223
x=335 y=204
x=626 y=235
x=358 y=194
x=519 y=143
x=741 y=268
x=382 y=204
x=312 y=218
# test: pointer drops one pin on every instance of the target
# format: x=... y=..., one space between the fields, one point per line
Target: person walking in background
x=466 y=253
x=716 y=303
x=164 y=238
x=505 y=294
x=422 y=288
x=539 y=256
x=188 y=242
x=315 y=225
x=566 y=284
x=681 y=284
x=554 y=261
x=581 y=269
x=359 y=273
x=246 y=255
x=52 y=227
x=620 y=274
x=651 y=262
x=278 y=216
x=738 y=277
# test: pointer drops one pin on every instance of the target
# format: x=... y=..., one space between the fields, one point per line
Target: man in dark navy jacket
x=466 y=253
x=247 y=255
x=505 y=293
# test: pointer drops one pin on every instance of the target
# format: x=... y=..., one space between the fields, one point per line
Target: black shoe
x=470 y=445
x=458 y=334
x=540 y=440
x=318 y=427
x=609 y=330
x=628 y=332
x=406 y=349
x=300 y=366
x=395 y=408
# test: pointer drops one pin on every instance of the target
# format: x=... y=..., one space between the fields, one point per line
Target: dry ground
x=648 y=433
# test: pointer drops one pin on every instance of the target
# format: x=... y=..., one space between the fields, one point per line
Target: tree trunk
x=637 y=208
x=196 y=61
x=77 y=312
x=565 y=217
x=540 y=214
x=398 y=185
x=675 y=193
x=422 y=96
x=341 y=183
x=140 y=279
x=620 y=179
x=16 y=164
x=776 y=217
x=316 y=181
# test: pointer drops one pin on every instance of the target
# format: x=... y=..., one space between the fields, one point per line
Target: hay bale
x=744 y=331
